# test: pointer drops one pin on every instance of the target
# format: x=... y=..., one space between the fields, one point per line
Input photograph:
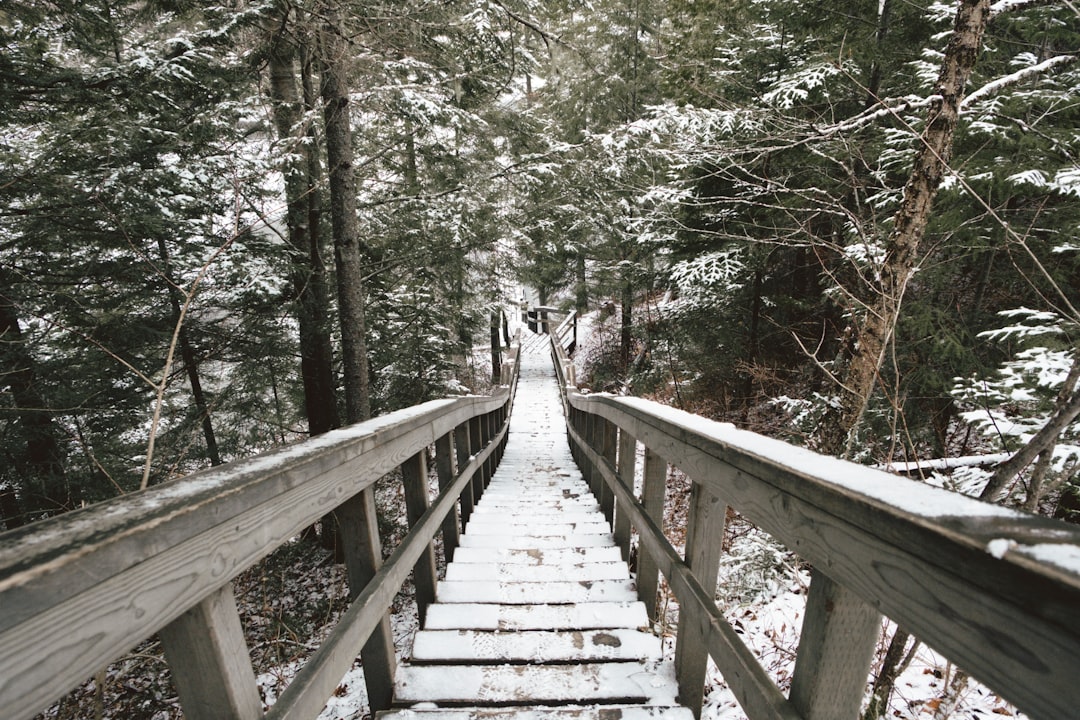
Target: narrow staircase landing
x=538 y=617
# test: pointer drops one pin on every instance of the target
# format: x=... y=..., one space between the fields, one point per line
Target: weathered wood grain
x=445 y=469
x=80 y=590
x=1010 y=621
x=836 y=647
x=414 y=476
x=209 y=660
x=706 y=517
x=653 y=492
x=627 y=462
x=359 y=524
x=305 y=696
x=754 y=689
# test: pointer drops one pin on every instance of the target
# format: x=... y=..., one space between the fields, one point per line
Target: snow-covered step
x=527 y=517
x=534 y=494
x=547 y=507
x=527 y=593
x=526 y=542
x=536 y=556
x=518 y=572
x=534 y=646
x=595 y=712
x=538 y=528
x=526 y=684
x=510 y=618
x=584 y=503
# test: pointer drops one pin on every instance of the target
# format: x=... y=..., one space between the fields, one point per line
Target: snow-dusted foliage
x=1009 y=407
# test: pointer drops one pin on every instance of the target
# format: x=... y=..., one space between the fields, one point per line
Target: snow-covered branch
x=995 y=86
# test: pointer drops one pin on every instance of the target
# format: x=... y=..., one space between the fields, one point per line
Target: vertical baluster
x=414 y=473
x=210 y=663
x=476 y=443
x=462 y=447
x=608 y=448
x=704 y=541
x=836 y=648
x=627 y=464
x=444 y=468
x=359 y=525
x=590 y=439
x=653 y=493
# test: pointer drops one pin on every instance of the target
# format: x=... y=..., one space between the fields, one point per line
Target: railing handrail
x=993 y=589
x=79 y=590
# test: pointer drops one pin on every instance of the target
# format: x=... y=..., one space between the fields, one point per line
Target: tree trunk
x=863 y=346
x=886 y=677
x=496 y=347
x=626 y=325
x=581 y=287
x=348 y=254
x=307 y=269
x=38 y=472
x=187 y=354
x=1067 y=410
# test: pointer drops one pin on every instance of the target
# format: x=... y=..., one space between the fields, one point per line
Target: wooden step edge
x=564 y=712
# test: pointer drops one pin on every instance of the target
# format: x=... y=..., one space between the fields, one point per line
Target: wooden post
x=444 y=468
x=836 y=648
x=589 y=435
x=627 y=463
x=704 y=541
x=653 y=493
x=210 y=663
x=414 y=476
x=608 y=448
x=476 y=443
x=363 y=557
x=462 y=447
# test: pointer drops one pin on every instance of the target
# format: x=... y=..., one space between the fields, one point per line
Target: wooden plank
x=477 y=441
x=209 y=661
x=757 y=694
x=653 y=492
x=528 y=542
x=597 y=712
x=445 y=469
x=523 y=684
x=519 y=572
x=608 y=446
x=540 y=508
x=359 y=525
x=704 y=541
x=906 y=548
x=463 y=451
x=537 y=529
x=536 y=556
x=527 y=593
x=627 y=462
x=306 y=695
x=533 y=646
x=836 y=647
x=414 y=474
x=507 y=618
x=104 y=578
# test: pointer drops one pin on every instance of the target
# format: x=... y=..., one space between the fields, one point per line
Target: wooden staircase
x=537 y=616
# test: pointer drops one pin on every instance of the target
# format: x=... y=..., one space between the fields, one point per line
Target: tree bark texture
x=863 y=344
x=307 y=269
x=348 y=254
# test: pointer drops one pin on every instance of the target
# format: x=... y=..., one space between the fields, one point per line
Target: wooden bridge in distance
x=538 y=616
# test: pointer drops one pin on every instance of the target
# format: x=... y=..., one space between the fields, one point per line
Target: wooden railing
x=994 y=590
x=80 y=590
